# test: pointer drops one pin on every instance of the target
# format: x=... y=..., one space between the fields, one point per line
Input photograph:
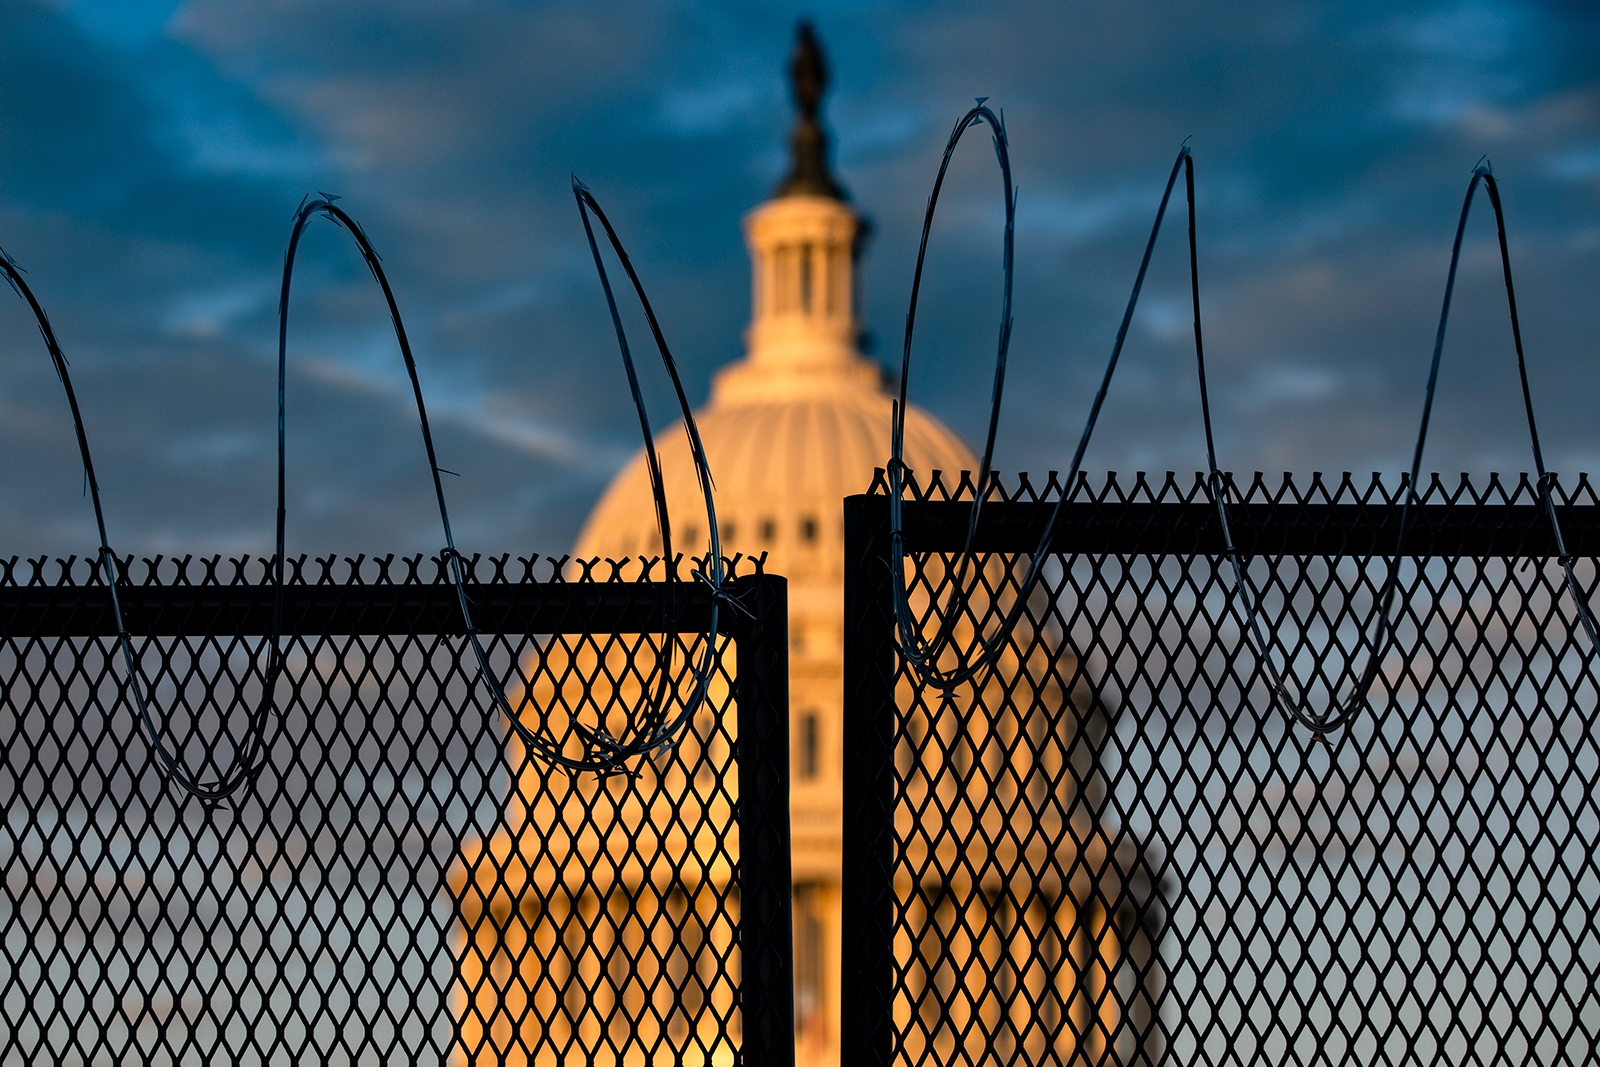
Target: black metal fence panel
x=1115 y=849
x=400 y=885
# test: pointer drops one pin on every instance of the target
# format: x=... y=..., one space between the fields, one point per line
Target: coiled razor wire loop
x=248 y=760
x=1547 y=481
x=1295 y=708
x=920 y=654
x=601 y=752
x=655 y=731
x=1340 y=715
x=923 y=655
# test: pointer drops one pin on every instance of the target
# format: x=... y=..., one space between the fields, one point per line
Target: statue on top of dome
x=808 y=143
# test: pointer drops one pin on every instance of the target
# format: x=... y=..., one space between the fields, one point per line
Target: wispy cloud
x=151 y=154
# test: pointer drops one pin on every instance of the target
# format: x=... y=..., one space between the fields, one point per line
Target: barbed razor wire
x=1244 y=592
x=600 y=752
x=249 y=758
x=656 y=732
x=1340 y=714
x=1547 y=481
x=922 y=654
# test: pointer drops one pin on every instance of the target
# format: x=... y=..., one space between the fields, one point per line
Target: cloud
x=205 y=315
x=220 y=446
x=1074 y=218
x=710 y=108
x=151 y=154
x=1289 y=384
x=1575 y=163
x=123 y=23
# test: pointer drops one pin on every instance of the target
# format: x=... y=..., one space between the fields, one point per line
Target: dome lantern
x=790 y=430
x=803 y=246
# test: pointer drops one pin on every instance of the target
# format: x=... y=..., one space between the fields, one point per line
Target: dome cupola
x=803 y=245
x=792 y=429
x=802 y=421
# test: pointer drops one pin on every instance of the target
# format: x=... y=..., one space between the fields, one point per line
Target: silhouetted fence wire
x=207 y=956
x=1110 y=848
x=925 y=652
x=383 y=892
x=1076 y=831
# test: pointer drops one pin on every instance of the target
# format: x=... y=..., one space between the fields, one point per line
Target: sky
x=153 y=152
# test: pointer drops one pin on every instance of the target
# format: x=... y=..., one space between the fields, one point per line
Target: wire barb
x=654 y=734
x=251 y=757
x=922 y=654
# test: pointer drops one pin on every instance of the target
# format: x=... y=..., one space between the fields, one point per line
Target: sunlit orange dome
x=791 y=430
x=786 y=445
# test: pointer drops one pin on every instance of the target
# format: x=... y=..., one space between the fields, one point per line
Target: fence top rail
x=213 y=595
x=1174 y=488
x=358 y=570
x=1175 y=516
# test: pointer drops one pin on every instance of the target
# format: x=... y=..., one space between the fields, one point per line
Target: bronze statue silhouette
x=808 y=144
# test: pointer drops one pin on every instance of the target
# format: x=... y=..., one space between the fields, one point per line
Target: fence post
x=869 y=712
x=766 y=912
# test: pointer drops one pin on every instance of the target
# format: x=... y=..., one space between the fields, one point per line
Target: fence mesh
x=400 y=885
x=1113 y=848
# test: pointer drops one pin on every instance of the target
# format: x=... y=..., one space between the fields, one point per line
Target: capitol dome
x=784 y=451
x=789 y=431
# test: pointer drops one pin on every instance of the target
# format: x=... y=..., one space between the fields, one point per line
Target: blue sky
x=151 y=154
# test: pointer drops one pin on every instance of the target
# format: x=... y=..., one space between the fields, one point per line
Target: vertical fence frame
x=766 y=909
x=867 y=919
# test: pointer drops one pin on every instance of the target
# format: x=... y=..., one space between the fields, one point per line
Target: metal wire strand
x=1245 y=593
x=1547 y=481
x=920 y=653
x=1341 y=714
x=247 y=761
x=600 y=753
x=655 y=732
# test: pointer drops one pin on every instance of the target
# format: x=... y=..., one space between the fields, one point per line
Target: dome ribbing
x=782 y=469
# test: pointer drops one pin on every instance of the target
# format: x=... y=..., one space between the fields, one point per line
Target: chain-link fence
x=1114 y=848
x=400 y=885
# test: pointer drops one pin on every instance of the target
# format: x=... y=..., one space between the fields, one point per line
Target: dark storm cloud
x=1333 y=145
x=150 y=155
